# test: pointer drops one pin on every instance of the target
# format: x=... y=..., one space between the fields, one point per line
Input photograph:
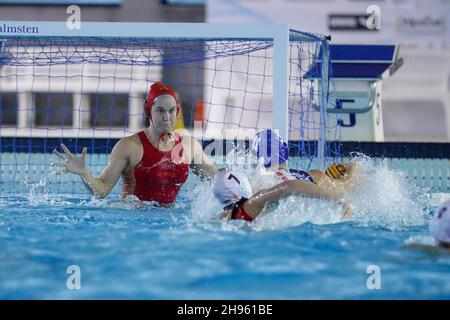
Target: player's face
x=164 y=113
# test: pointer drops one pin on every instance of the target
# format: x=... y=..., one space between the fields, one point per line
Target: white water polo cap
x=440 y=223
x=230 y=186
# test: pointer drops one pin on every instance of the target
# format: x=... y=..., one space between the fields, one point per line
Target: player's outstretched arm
x=98 y=186
x=256 y=203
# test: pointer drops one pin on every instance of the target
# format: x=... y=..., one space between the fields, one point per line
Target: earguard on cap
x=230 y=186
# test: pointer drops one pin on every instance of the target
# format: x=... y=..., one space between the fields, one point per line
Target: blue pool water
x=300 y=250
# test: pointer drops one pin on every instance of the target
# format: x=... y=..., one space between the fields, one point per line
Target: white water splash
x=384 y=198
x=294 y=211
x=38 y=193
x=204 y=205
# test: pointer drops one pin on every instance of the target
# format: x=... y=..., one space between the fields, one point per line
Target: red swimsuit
x=156 y=177
x=238 y=212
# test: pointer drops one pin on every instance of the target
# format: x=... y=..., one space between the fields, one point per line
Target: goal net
x=89 y=91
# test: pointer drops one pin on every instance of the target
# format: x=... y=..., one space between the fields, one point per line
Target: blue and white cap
x=440 y=223
x=230 y=186
x=270 y=146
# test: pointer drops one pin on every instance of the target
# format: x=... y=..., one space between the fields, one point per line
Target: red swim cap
x=158 y=89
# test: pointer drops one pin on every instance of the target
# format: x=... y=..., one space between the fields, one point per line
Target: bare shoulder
x=128 y=143
x=127 y=147
x=185 y=135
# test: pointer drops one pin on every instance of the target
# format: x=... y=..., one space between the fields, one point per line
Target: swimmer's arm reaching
x=256 y=203
x=350 y=180
x=98 y=186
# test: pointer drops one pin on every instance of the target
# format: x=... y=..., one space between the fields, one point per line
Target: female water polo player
x=274 y=151
x=233 y=190
x=440 y=225
x=153 y=163
x=439 y=228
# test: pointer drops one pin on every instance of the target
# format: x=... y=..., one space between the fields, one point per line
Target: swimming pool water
x=299 y=251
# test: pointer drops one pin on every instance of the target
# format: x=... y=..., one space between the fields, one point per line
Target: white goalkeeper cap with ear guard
x=440 y=223
x=231 y=186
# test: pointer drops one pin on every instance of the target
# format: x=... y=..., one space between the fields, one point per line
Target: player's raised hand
x=72 y=163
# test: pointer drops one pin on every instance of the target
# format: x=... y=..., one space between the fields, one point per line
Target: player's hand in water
x=72 y=163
